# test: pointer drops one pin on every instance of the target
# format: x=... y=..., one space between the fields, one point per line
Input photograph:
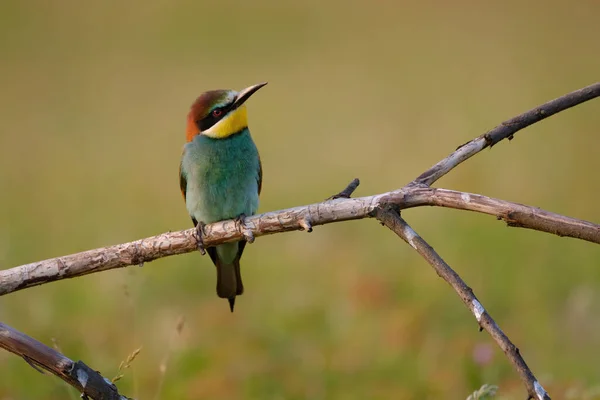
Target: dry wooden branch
x=77 y=374
x=514 y=214
x=336 y=209
x=291 y=219
x=506 y=130
x=392 y=219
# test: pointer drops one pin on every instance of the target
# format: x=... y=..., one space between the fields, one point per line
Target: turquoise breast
x=222 y=177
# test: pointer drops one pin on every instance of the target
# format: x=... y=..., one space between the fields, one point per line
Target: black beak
x=246 y=93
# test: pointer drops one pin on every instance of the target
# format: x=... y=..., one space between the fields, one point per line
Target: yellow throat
x=232 y=123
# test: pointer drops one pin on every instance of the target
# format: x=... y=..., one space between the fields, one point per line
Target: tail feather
x=229 y=277
x=238 y=278
x=226 y=280
x=229 y=281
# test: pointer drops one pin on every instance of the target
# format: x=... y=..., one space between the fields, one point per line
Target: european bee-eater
x=221 y=175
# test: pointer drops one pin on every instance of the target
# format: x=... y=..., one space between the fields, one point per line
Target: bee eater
x=221 y=176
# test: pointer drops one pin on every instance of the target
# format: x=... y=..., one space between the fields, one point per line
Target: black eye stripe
x=208 y=121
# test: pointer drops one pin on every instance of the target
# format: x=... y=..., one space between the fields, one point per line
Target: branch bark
x=336 y=209
x=392 y=219
x=514 y=214
x=77 y=374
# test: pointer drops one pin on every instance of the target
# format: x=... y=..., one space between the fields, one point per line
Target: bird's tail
x=229 y=277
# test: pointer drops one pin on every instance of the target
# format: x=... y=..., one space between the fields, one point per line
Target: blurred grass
x=94 y=98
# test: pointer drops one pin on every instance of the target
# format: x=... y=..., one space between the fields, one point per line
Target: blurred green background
x=94 y=97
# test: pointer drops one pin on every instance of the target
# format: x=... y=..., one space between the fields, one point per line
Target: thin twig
x=506 y=130
x=86 y=380
x=392 y=219
x=347 y=192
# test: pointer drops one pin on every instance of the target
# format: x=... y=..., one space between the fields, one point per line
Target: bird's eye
x=217 y=112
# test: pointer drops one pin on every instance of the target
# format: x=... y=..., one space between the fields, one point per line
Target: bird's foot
x=240 y=223
x=199 y=237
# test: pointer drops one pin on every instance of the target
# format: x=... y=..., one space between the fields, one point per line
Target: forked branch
x=392 y=219
x=340 y=207
x=291 y=219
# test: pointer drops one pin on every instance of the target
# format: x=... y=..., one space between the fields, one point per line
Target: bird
x=221 y=176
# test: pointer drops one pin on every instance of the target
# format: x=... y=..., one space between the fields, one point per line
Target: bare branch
x=338 y=208
x=506 y=130
x=173 y=243
x=291 y=219
x=514 y=214
x=77 y=374
x=392 y=219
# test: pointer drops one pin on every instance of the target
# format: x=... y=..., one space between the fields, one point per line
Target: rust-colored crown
x=200 y=109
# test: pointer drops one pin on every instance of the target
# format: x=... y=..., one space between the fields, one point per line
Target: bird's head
x=219 y=113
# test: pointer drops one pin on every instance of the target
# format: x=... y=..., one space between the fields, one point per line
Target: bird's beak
x=245 y=94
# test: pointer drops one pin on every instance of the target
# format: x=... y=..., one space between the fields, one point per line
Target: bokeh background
x=93 y=102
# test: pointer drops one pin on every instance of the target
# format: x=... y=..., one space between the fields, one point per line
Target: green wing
x=182 y=182
x=259 y=180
